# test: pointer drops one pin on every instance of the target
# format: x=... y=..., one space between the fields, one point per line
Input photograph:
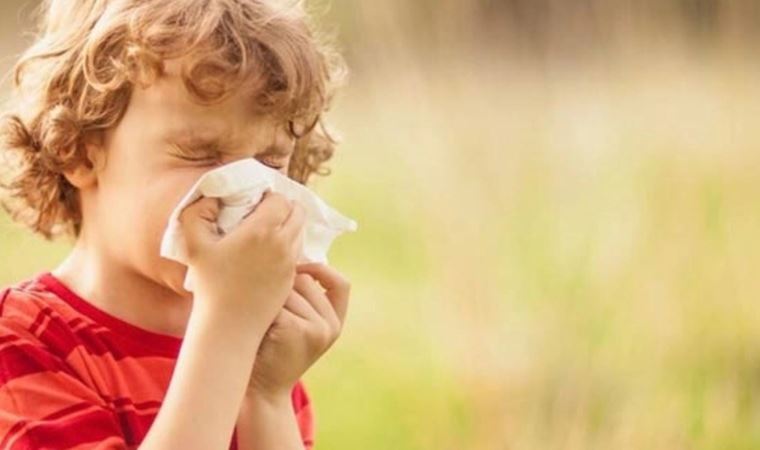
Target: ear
x=86 y=174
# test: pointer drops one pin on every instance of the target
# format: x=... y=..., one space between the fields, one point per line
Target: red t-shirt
x=75 y=377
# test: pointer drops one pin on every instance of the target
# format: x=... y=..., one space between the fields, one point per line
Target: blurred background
x=558 y=225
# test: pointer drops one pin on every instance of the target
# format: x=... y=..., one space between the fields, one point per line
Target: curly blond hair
x=78 y=76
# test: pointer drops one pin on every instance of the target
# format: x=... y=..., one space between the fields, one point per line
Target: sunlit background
x=559 y=227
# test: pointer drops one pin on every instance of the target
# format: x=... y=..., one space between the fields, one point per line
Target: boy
x=120 y=106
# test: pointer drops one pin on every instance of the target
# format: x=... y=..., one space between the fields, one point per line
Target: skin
x=115 y=262
x=139 y=170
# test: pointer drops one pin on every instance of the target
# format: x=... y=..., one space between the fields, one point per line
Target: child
x=120 y=107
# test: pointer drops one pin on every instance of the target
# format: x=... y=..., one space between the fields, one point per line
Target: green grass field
x=562 y=261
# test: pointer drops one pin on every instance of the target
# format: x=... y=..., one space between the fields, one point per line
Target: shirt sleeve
x=304 y=414
x=43 y=405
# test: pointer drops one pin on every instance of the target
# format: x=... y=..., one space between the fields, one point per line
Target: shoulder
x=43 y=401
x=33 y=342
x=26 y=301
x=25 y=308
x=30 y=314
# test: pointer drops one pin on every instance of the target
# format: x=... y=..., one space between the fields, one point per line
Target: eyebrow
x=215 y=143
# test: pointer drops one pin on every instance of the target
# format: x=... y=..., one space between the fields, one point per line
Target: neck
x=121 y=291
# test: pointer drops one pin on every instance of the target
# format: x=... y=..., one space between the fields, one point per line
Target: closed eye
x=269 y=163
x=207 y=155
x=213 y=160
x=197 y=159
x=196 y=153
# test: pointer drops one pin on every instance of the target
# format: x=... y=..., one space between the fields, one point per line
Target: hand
x=246 y=274
x=308 y=324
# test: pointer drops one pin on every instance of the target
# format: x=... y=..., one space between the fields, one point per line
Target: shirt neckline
x=157 y=341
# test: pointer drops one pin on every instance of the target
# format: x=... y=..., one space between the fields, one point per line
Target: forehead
x=169 y=109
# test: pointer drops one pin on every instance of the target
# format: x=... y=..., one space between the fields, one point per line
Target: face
x=163 y=144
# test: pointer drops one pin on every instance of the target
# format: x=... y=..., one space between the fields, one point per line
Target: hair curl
x=78 y=75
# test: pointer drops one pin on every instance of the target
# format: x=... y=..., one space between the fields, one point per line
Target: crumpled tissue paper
x=240 y=185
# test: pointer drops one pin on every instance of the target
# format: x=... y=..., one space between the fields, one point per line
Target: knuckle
x=317 y=330
x=337 y=326
x=343 y=283
x=334 y=332
x=208 y=211
x=325 y=333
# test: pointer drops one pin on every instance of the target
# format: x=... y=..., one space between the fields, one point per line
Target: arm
x=267 y=424
x=208 y=384
x=308 y=324
x=242 y=280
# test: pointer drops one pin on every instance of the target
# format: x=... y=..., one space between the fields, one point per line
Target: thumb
x=198 y=222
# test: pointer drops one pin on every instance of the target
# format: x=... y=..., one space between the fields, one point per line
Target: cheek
x=166 y=195
x=146 y=230
x=143 y=215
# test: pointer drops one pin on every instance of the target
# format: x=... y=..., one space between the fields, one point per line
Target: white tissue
x=240 y=185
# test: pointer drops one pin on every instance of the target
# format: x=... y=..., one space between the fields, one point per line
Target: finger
x=315 y=295
x=337 y=287
x=286 y=316
x=270 y=212
x=299 y=306
x=198 y=221
x=297 y=247
x=293 y=225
